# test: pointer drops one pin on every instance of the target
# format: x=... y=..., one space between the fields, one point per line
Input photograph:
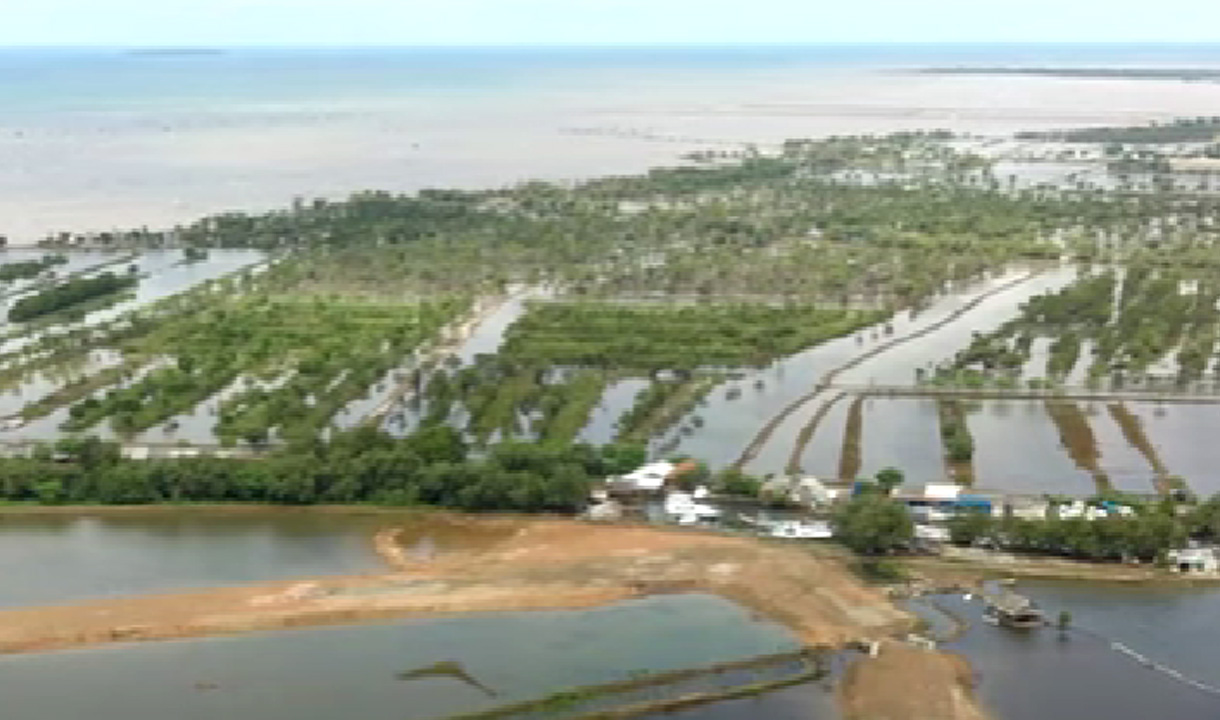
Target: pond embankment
x=524 y=564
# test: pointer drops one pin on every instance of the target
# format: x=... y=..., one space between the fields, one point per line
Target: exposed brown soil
x=906 y=683
x=511 y=563
x=851 y=458
x=1078 y=439
x=1133 y=430
x=968 y=568
x=541 y=564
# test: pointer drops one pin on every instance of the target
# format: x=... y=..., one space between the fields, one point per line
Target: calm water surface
x=1017 y=448
x=94 y=139
x=1038 y=675
x=49 y=559
x=328 y=673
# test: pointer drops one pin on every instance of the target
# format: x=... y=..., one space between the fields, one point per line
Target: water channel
x=1083 y=673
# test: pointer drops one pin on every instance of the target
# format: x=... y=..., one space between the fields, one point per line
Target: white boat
x=682 y=508
x=795 y=530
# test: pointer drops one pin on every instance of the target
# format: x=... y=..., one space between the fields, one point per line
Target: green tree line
x=65 y=295
x=432 y=467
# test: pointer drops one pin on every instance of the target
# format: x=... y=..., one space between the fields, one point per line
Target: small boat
x=794 y=530
x=1012 y=610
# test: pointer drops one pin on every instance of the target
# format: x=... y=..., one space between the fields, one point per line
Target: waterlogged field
x=735 y=310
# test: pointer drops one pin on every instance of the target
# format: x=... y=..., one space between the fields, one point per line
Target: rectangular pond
x=354 y=671
x=1017 y=449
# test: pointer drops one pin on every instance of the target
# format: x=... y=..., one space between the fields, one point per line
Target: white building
x=797 y=530
x=942 y=491
x=806 y=491
x=1196 y=560
x=136 y=452
x=1024 y=509
x=649 y=478
x=932 y=533
x=682 y=508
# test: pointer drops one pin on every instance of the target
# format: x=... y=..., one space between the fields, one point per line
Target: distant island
x=174 y=52
x=1183 y=74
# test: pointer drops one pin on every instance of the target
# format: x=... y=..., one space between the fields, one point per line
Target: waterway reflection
x=1043 y=674
x=46 y=559
x=328 y=673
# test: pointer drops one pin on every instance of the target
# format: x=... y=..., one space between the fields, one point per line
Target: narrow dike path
x=802 y=440
x=764 y=435
x=452 y=338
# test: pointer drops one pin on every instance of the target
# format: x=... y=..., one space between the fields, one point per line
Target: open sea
x=96 y=139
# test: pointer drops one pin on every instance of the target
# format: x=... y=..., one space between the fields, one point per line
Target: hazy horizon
x=531 y=22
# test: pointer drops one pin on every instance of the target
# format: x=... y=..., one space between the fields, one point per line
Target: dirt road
x=906 y=683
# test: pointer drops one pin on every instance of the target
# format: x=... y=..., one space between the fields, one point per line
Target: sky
x=530 y=22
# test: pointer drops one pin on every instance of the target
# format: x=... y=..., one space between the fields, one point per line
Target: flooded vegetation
x=1132 y=429
x=850 y=460
x=1077 y=438
x=1032 y=317
x=957 y=440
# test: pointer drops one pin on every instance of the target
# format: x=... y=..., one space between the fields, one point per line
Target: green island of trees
x=1182 y=130
x=29 y=268
x=68 y=294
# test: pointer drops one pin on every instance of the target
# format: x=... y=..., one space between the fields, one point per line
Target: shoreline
x=970 y=572
x=961 y=569
x=534 y=564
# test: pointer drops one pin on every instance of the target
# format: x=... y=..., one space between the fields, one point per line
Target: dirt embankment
x=541 y=564
x=906 y=683
x=517 y=564
x=968 y=568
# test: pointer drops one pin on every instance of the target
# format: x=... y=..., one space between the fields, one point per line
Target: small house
x=806 y=491
x=798 y=530
x=650 y=478
x=932 y=534
x=682 y=508
x=1195 y=560
x=136 y=452
x=1012 y=610
x=606 y=511
x=1026 y=508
